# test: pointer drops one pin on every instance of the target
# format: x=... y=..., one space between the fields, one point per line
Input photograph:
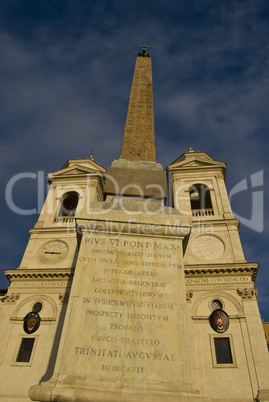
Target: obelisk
x=136 y=173
x=139 y=139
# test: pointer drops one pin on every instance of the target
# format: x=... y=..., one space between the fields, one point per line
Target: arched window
x=69 y=202
x=200 y=199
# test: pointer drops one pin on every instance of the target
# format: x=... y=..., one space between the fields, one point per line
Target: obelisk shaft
x=136 y=173
x=139 y=140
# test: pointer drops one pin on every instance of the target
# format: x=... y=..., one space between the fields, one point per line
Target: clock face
x=52 y=252
x=208 y=247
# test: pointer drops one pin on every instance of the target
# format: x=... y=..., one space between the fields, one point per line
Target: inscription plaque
x=127 y=297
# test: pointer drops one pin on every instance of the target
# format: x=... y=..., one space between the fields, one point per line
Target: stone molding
x=44 y=319
x=221 y=295
x=148 y=228
x=63 y=297
x=22 y=274
x=75 y=170
x=12 y=298
x=222 y=269
x=52 y=230
x=189 y=296
x=32 y=299
x=248 y=293
x=205 y=318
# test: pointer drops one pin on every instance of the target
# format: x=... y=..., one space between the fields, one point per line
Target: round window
x=216 y=305
x=37 y=307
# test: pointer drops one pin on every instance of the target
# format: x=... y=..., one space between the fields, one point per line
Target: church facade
x=121 y=298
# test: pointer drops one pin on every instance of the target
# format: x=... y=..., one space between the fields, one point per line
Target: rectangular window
x=222 y=350
x=25 y=350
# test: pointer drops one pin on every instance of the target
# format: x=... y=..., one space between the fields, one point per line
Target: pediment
x=75 y=170
x=195 y=160
x=85 y=163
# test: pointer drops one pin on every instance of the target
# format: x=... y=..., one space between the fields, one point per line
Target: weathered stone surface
x=136 y=182
x=126 y=315
x=139 y=141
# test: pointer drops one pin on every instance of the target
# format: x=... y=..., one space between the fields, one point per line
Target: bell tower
x=225 y=326
x=199 y=192
x=40 y=286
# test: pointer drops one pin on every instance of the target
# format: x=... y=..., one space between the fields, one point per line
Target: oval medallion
x=31 y=322
x=219 y=321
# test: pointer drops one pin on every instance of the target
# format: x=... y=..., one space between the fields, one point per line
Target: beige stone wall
x=45 y=276
x=242 y=376
x=16 y=377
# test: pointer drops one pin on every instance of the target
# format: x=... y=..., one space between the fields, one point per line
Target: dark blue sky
x=66 y=71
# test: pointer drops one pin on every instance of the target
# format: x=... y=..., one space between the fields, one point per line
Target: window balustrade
x=203 y=212
x=65 y=219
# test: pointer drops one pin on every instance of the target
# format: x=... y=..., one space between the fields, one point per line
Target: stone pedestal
x=125 y=336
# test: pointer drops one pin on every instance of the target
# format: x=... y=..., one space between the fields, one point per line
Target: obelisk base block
x=125 y=333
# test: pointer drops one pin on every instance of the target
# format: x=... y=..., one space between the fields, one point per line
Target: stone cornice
x=44 y=319
x=216 y=221
x=43 y=274
x=205 y=318
x=223 y=269
x=248 y=293
x=54 y=229
x=169 y=226
x=202 y=166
